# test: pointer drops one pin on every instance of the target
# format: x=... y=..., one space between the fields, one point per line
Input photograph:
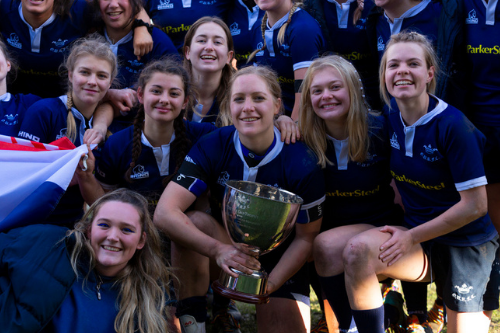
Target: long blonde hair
x=96 y=46
x=281 y=32
x=143 y=282
x=431 y=60
x=313 y=128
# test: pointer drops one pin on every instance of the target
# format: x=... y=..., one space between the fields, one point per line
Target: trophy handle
x=247 y=288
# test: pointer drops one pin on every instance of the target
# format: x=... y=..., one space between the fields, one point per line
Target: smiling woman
x=99 y=277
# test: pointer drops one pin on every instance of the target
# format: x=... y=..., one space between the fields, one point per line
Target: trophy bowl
x=261 y=217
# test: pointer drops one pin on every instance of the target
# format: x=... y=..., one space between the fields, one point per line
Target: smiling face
x=115 y=235
x=272 y=5
x=163 y=97
x=208 y=50
x=330 y=96
x=116 y=14
x=41 y=9
x=406 y=73
x=253 y=108
x=90 y=80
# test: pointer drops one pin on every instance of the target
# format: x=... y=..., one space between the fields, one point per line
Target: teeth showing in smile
x=208 y=57
x=249 y=119
x=329 y=106
x=111 y=248
x=114 y=14
x=403 y=83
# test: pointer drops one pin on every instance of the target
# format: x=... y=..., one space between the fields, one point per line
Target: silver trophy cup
x=261 y=217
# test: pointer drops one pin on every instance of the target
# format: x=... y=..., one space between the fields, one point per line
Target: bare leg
x=283 y=315
x=465 y=322
x=493 y=192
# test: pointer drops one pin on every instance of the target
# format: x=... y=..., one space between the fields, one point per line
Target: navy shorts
x=468 y=276
x=491 y=157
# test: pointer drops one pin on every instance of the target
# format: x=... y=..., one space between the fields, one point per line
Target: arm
x=289 y=130
x=295 y=256
x=143 y=41
x=103 y=116
x=298 y=74
x=472 y=205
x=169 y=216
x=122 y=100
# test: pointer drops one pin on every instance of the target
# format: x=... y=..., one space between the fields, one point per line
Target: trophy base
x=245 y=288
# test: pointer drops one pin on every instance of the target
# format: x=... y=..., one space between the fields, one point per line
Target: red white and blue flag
x=33 y=178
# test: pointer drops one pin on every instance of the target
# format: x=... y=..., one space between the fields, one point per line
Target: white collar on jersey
x=250 y=174
x=36 y=34
x=162 y=154
x=341 y=151
x=398 y=22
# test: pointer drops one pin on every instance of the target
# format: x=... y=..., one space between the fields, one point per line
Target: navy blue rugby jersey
x=152 y=166
x=46 y=121
x=434 y=159
x=218 y=157
x=12 y=110
x=175 y=17
x=245 y=26
x=39 y=52
x=422 y=18
x=303 y=43
x=360 y=192
x=129 y=67
x=483 y=52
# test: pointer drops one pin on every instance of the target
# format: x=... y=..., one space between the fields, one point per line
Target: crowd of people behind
x=382 y=115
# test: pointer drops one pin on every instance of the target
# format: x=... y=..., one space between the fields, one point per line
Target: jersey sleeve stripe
x=476 y=182
x=302 y=64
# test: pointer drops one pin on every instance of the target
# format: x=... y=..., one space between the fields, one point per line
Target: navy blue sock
x=370 y=321
x=195 y=306
x=416 y=298
x=334 y=291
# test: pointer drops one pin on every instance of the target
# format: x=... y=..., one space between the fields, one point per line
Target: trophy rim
x=298 y=200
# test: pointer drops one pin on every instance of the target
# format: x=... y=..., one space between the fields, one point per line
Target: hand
x=288 y=128
x=143 y=42
x=85 y=167
x=122 y=99
x=229 y=256
x=94 y=135
x=397 y=246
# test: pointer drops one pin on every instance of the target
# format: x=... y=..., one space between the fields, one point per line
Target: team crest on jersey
x=139 y=172
x=394 y=141
x=223 y=178
x=209 y=2
x=234 y=29
x=430 y=154
x=165 y=4
x=285 y=50
x=370 y=160
x=260 y=46
x=134 y=66
x=380 y=44
x=9 y=119
x=361 y=24
x=13 y=41
x=62 y=133
x=60 y=45
x=472 y=18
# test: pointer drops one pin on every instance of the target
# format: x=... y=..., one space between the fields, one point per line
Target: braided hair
x=281 y=32
x=181 y=142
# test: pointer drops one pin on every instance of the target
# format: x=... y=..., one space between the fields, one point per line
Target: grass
x=248 y=324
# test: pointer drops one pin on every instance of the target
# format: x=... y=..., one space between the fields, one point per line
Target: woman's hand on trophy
x=228 y=256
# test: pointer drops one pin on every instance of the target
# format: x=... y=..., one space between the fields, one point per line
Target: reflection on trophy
x=260 y=217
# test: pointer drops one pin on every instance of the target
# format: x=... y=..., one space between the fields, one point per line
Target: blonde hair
x=143 y=282
x=265 y=74
x=431 y=60
x=281 y=32
x=96 y=46
x=313 y=128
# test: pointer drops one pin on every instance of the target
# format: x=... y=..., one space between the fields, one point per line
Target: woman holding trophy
x=250 y=151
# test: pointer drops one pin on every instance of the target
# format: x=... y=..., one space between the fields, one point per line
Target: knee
x=324 y=250
x=356 y=252
x=202 y=221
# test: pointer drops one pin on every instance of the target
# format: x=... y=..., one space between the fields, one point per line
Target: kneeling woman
x=106 y=275
x=436 y=160
x=251 y=150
